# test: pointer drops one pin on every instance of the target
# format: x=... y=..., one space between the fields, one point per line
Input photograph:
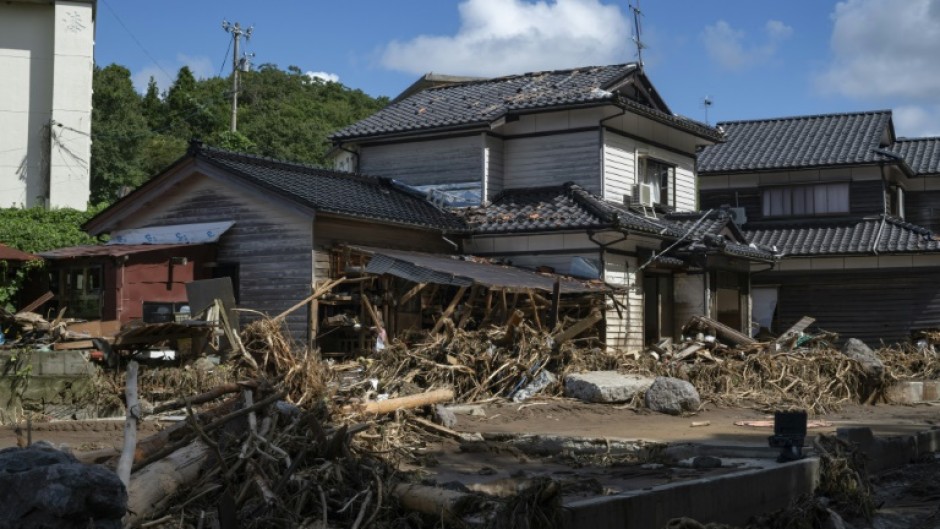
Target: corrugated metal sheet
x=12 y=254
x=107 y=251
x=460 y=271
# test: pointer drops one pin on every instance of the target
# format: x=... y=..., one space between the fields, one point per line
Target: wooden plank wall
x=619 y=166
x=624 y=331
x=444 y=161
x=271 y=245
x=878 y=305
x=539 y=161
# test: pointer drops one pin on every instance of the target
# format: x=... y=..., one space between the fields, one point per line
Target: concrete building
x=46 y=56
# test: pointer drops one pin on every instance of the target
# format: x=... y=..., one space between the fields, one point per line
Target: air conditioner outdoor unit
x=643 y=195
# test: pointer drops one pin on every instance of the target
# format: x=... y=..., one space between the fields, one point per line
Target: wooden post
x=449 y=310
x=535 y=309
x=411 y=293
x=408 y=402
x=130 y=425
x=465 y=317
x=556 y=303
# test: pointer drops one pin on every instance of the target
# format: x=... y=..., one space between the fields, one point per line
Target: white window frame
x=655 y=181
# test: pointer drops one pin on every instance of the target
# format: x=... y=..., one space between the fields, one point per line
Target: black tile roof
x=798 y=142
x=921 y=154
x=570 y=207
x=475 y=103
x=845 y=237
x=332 y=191
x=565 y=207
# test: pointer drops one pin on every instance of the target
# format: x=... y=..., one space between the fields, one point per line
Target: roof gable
x=478 y=103
x=310 y=187
x=799 y=142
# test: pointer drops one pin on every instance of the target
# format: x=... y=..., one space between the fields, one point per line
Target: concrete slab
x=605 y=386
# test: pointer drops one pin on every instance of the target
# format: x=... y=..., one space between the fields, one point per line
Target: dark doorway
x=229 y=270
x=658 y=307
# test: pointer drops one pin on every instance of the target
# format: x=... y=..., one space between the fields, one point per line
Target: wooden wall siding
x=625 y=329
x=444 y=161
x=873 y=306
x=865 y=198
x=271 y=245
x=619 y=166
x=493 y=166
x=540 y=161
x=923 y=208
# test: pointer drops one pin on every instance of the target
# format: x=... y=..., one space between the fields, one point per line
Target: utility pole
x=239 y=64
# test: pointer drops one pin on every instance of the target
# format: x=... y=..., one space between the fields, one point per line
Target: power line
x=134 y=37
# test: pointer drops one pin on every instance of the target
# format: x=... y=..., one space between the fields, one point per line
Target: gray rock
x=42 y=487
x=861 y=353
x=706 y=462
x=672 y=396
x=605 y=386
x=444 y=417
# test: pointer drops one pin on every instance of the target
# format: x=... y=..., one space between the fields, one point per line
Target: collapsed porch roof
x=465 y=271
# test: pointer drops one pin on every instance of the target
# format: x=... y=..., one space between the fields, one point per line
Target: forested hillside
x=282 y=114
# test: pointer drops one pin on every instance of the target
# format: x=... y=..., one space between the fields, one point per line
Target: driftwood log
x=437 y=396
x=152 y=487
x=130 y=424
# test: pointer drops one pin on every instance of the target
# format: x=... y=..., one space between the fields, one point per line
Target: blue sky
x=752 y=58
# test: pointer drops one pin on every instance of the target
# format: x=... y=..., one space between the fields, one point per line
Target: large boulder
x=43 y=487
x=672 y=396
x=861 y=353
x=605 y=386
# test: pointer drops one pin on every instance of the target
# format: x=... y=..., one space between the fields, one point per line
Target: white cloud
x=500 y=37
x=917 y=120
x=165 y=72
x=323 y=76
x=729 y=48
x=885 y=48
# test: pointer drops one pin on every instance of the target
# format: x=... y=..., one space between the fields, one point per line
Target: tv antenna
x=707 y=102
x=239 y=64
x=636 y=32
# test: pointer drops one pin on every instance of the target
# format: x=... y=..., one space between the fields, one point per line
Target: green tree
x=152 y=106
x=118 y=129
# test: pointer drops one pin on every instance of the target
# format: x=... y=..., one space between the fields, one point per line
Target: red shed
x=126 y=281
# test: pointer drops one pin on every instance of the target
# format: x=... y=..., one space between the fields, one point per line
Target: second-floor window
x=659 y=176
x=816 y=199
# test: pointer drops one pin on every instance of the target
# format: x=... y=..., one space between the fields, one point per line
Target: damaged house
x=849 y=207
x=584 y=172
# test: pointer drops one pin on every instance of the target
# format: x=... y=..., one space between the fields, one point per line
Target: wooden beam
x=415 y=290
x=535 y=310
x=371 y=311
x=449 y=310
x=578 y=327
x=465 y=317
x=556 y=302
x=316 y=294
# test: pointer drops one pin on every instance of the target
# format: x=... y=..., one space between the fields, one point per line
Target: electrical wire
x=134 y=37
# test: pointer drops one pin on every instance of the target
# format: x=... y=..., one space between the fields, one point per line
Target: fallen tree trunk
x=153 y=487
x=439 y=503
x=437 y=396
x=130 y=424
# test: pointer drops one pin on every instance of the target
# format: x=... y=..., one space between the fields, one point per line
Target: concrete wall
x=46 y=56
